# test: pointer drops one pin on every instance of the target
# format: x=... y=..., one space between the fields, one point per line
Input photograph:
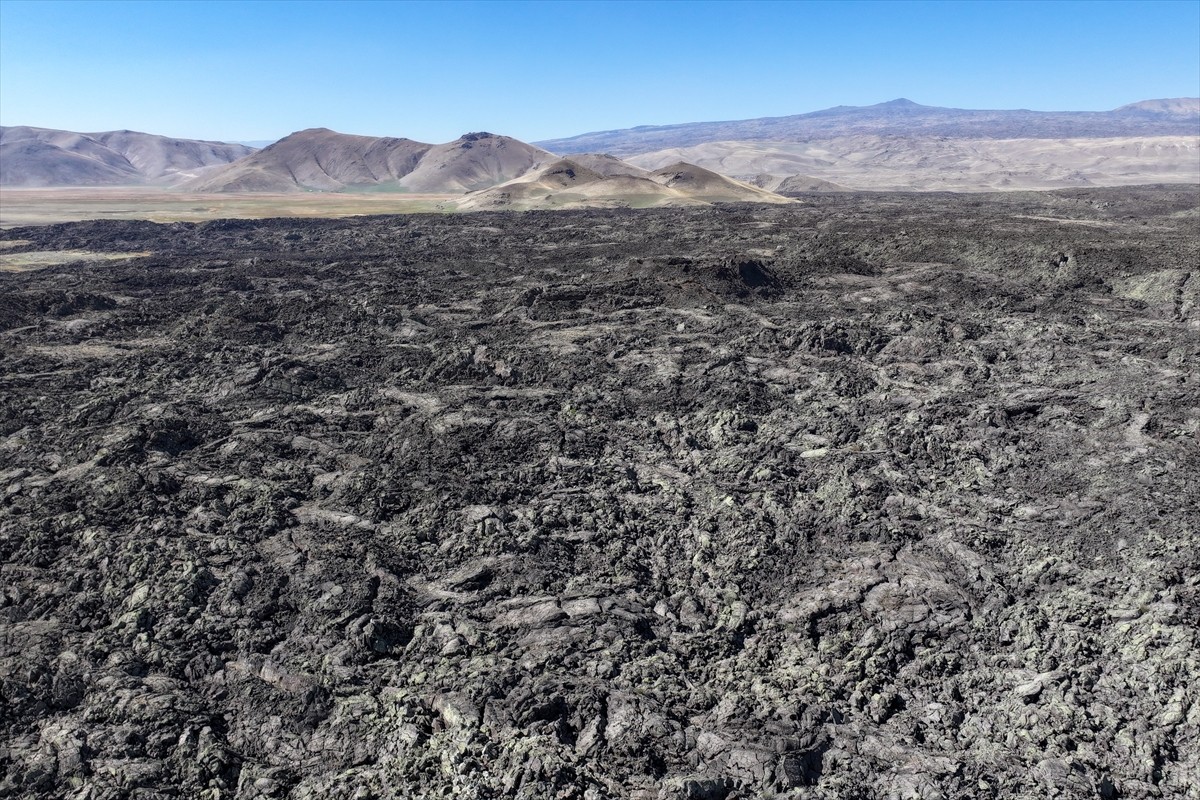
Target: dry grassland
x=19 y=207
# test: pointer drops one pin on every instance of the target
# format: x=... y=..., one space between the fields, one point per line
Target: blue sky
x=431 y=71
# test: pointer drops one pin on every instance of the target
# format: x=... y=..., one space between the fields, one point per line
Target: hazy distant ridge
x=891 y=163
x=1169 y=117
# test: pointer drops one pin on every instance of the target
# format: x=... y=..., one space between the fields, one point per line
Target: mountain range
x=898 y=145
x=894 y=163
x=319 y=159
x=488 y=170
x=904 y=146
x=902 y=117
x=42 y=157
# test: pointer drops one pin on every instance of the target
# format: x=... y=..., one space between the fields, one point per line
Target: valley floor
x=46 y=206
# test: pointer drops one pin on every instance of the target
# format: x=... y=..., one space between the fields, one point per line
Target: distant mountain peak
x=900 y=117
x=1178 y=106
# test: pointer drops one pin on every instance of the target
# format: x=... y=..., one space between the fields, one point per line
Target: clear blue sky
x=431 y=71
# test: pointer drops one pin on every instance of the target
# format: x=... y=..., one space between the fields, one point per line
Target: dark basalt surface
x=875 y=497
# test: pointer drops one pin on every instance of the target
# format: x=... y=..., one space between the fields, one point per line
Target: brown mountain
x=704 y=184
x=474 y=161
x=316 y=159
x=43 y=157
x=608 y=165
x=319 y=159
x=794 y=184
x=575 y=183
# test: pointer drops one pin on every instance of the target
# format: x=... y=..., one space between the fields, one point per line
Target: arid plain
x=45 y=206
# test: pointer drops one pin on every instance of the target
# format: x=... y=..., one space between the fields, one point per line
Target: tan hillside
x=319 y=159
x=922 y=164
x=793 y=184
x=44 y=157
x=30 y=163
x=568 y=183
x=159 y=156
x=474 y=161
x=316 y=159
x=709 y=186
x=608 y=165
x=696 y=181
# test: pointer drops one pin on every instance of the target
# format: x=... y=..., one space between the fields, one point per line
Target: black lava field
x=870 y=496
